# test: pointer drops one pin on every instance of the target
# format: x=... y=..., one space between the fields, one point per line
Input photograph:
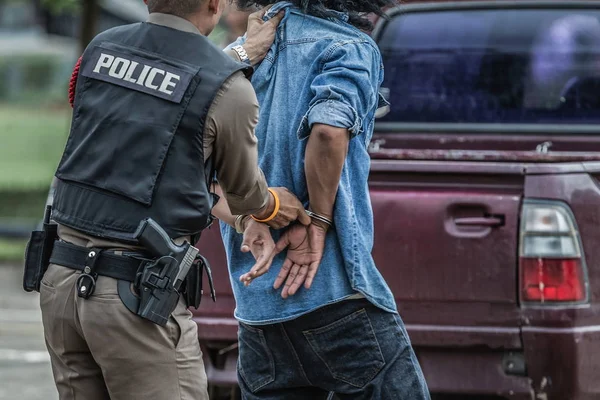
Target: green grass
x=12 y=250
x=31 y=143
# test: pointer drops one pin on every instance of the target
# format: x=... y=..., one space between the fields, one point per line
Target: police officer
x=158 y=111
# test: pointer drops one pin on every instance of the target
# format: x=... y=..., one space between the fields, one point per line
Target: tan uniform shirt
x=228 y=137
x=229 y=134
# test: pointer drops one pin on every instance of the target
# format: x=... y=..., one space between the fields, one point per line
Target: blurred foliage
x=12 y=250
x=34 y=79
x=23 y=205
x=57 y=6
x=61 y=5
x=32 y=143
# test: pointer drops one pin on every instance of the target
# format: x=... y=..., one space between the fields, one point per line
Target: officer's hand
x=260 y=34
x=258 y=241
x=290 y=210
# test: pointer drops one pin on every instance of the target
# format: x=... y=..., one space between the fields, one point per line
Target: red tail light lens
x=552 y=264
x=552 y=280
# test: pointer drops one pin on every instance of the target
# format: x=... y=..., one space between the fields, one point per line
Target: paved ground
x=25 y=372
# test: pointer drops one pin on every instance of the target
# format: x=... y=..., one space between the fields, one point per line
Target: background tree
x=89 y=11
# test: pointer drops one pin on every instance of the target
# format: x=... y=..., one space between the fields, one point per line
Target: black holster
x=143 y=298
x=37 y=254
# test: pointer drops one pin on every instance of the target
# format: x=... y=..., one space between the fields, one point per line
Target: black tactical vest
x=135 y=150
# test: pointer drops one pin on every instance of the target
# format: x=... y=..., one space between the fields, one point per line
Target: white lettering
x=121 y=64
x=104 y=61
x=169 y=83
x=127 y=70
x=130 y=72
x=149 y=82
x=143 y=75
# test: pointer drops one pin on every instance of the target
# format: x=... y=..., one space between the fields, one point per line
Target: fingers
x=276 y=19
x=291 y=209
x=297 y=276
x=261 y=13
x=304 y=218
x=261 y=267
x=258 y=14
x=284 y=219
x=253 y=245
x=282 y=243
x=278 y=223
x=312 y=271
x=297 y=281
x=292 y=275
x=247 y=242
x=283 y=273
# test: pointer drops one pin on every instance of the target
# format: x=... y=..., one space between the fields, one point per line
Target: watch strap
x=241 y=52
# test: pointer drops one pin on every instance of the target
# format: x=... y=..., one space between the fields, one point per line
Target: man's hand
x=305 y=246
x=260 y=35
x=258 y=241
x=290 y=210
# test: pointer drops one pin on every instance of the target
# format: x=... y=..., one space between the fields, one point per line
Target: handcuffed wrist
x=320 y=219
x=240 y=223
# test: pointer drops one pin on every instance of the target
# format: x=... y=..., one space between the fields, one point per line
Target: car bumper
x=563 y=363
x=560 y=363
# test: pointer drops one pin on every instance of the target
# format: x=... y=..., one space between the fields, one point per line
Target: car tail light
x=552 y=265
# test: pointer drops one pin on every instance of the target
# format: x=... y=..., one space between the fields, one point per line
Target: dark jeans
x=351 y=348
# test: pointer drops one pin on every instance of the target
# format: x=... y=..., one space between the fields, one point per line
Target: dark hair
x=356 y=9
x=180 y=8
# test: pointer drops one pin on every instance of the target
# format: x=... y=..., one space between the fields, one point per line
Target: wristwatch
x=241 y=52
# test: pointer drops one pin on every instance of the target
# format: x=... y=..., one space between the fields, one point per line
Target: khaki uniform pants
x=100 y=350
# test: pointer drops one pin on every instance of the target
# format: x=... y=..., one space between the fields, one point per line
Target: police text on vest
x=122 y=68
x=139 y=70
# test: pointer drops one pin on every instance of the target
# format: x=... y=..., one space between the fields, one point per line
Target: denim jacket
x=317 y=71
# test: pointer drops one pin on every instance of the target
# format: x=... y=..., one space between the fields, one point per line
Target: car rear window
x=531 y=66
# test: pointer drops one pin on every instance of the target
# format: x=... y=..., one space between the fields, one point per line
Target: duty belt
x=104 y=263
x=140 y=278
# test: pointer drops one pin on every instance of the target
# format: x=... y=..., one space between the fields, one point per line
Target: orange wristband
x=275 y=210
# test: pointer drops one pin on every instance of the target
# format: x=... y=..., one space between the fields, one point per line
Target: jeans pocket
x=256 y=365
x=349 y=348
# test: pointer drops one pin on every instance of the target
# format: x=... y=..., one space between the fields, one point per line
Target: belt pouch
x=193 y=282
x=193 y=285
x=37 y=254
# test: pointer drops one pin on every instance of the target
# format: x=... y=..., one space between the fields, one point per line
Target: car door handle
x=490 y=221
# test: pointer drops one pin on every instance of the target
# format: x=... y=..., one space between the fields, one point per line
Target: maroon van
x=485 y=184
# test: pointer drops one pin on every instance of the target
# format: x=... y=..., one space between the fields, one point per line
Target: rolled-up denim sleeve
x=345 y=92
x=238 y=42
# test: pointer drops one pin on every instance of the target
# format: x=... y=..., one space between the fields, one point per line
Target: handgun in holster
x=37 y=254
x=176 y=269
